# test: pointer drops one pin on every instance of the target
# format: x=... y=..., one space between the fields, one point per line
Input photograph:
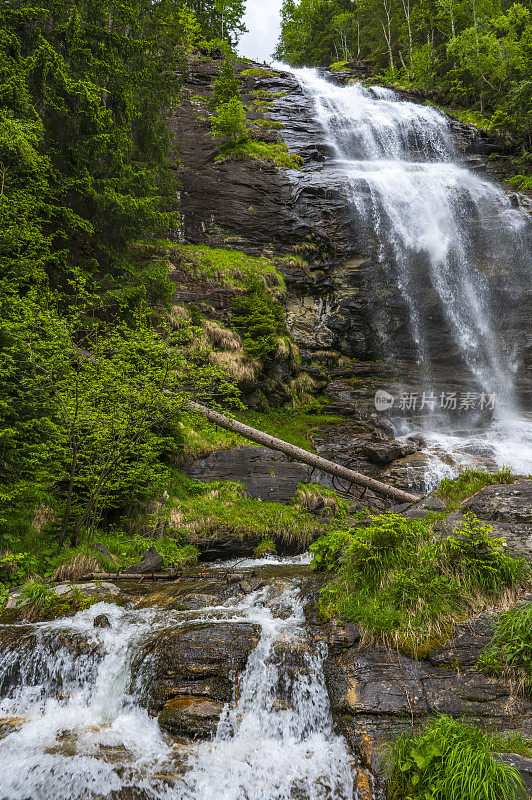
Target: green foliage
x=257 y=72
x=293 y=425
x=274 y=152
x=259 y=320
x=315 y=497
x=127 y=550
x=450 y=760
x=230 y=123
x=509 y=653
x=455 y=490
x=37 y=599
x=398 y=579
x=225 y=87
x=265 y=548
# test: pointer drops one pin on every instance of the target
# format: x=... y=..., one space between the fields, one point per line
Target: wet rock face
x=377 y=693
x=189 y=673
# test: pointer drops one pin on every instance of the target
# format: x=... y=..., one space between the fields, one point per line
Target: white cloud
x=263 y=21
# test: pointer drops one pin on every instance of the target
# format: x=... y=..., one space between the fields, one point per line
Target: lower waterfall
x=458 y=253
x=77 y=730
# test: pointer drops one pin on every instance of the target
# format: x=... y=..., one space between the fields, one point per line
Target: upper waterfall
x=454 y=247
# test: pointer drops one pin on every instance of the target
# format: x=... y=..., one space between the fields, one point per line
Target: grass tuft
x=509 y=653
x=455 y=490
x=450 y=760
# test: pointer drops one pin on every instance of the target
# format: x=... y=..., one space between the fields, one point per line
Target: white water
x=88 y=739
x=439 y=228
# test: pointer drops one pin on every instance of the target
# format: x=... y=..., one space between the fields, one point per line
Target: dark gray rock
x=264 y=473
x=196 y=660
x=152 y=562
x=194 y=717
x=523 y=766
x=470 y=639
x=101 y=621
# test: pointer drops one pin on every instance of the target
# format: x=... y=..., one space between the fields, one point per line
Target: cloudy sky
x=262 y=21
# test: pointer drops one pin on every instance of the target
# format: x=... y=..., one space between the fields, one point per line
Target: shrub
x=510 y=651
x=265 y=548
x=450 y=760
x=399 y=580
x=455 y=490
x=230 y=122
x=225 y=86
x=259 y=320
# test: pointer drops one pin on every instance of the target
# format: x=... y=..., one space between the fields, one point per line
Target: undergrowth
x=455 y=490
x=401 y=582
x=509 y=652
x=451 y=760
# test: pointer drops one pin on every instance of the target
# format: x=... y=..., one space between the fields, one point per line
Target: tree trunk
x=66 y=517
x=298 y=454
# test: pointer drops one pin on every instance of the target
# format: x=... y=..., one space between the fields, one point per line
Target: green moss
x=268 y=123
x=450 y=760
x=228 y=267
x=275 y=152
x=257 y=72
x=401 y=582
x=455 y=490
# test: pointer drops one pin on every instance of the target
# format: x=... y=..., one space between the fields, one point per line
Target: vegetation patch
x=38 y=602
x=455 y=490
x=509 y=653
x=274 y=152
x=313 y=497
x=202 y=510
x=265 y=548
x=228 y=267
x=257 y=72
x=451 y=760
x=292 y=425
x=400 y=581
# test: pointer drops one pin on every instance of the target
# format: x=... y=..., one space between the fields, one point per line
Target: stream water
x=73 y=728
x=457 y=250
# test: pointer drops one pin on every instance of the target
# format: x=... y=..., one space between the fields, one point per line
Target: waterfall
x=458 y=254
x=76 y=731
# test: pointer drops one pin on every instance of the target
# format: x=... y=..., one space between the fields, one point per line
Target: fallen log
x=298 y=454
x=129 y=576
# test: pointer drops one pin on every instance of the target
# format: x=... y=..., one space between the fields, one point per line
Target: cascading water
x=459 y=254
x=77 y=731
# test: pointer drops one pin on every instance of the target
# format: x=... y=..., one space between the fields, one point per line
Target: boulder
x=187 y=674
x=189 y=716
x=152 y=562
x=507 y=508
